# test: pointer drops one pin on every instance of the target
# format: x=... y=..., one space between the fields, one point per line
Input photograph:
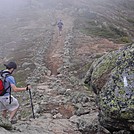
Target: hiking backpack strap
x=9 y=87
x=5 y=74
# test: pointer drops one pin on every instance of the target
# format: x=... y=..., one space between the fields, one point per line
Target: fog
x=14 y=6
x=18 y=16
x=11 y=6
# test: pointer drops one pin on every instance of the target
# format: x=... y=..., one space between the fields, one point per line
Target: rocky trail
x=56 y=49
x=62 y=104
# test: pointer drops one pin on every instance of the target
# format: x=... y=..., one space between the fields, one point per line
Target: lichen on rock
x=112 y=79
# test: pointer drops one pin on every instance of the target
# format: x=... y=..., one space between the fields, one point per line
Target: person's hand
x=28 y=87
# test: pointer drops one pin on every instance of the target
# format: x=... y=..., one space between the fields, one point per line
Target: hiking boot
x=13 y=121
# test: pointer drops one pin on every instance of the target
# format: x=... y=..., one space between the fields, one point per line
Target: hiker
x=60 y=25
x=7 y=102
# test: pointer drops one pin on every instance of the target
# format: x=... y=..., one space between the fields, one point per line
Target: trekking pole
x=31 y=101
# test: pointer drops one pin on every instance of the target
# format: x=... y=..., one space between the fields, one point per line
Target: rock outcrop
x=111 y=78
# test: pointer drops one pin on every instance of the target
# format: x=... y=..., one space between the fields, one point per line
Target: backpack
x=60 y=24
x=4 y=84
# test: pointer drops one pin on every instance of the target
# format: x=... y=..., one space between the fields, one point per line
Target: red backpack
x=4 y=84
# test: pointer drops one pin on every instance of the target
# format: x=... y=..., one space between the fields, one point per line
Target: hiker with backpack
x=8 y=103
x=60 y=25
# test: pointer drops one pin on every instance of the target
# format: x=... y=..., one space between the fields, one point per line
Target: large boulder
x=111 y=77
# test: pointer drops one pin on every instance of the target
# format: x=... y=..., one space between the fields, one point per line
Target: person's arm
x=13 y=85
x=17 y=89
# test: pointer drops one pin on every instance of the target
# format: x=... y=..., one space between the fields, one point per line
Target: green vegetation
x=20 y=76
x=125 y=39
x=81 y=69
x=20 y=79
x=92 y=22
x=2 y=67
x=25 y=113
x=131 y=20
x=106 y=31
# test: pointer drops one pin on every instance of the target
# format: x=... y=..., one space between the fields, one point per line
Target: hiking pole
x=31 y=100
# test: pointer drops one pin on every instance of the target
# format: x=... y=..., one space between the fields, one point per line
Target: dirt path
x=84 y=44
x=55 y=50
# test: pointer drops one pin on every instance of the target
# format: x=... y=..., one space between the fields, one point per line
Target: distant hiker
x=7 y=102
x=60 y=25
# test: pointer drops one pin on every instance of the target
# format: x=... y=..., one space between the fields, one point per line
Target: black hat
x=11 y=65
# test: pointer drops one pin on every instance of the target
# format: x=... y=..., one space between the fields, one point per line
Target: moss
x=2 y=67
x=114 y=109
x=131 y=106
x=113 y=101
x=117 y=32
x=121 y=92
x=97 y=31
x=110 y=31
x=126 y=115
x=125 y=39
x=86 y=67
x=104 y=66
x=131 y=20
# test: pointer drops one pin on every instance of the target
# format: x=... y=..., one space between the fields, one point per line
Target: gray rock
x=122 y=132
x=82 y=111
x=4 y=131
x=59 y=116
x=88 y=123
x=5 y=123
x=111 y=78
x=37 y=108
x=61 y=91
x=26 y=64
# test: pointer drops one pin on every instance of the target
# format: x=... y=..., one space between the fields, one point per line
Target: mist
x=11 y=6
